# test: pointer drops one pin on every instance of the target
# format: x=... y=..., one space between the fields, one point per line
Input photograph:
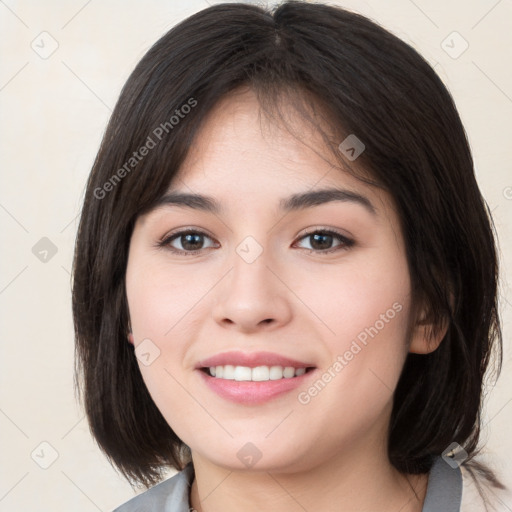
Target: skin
x=328 y=454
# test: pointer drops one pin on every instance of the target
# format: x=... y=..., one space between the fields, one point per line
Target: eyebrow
x=294 y=202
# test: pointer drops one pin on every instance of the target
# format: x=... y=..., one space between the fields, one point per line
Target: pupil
x=192 y=240
x=316 y=237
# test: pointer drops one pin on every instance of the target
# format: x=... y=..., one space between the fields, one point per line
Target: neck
x=351 y=481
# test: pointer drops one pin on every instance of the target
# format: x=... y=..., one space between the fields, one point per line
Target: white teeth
x=276 y=372
x=229 y=372
x=257 y=374
x=260 y=373
x=288 y=372
x=243 y=373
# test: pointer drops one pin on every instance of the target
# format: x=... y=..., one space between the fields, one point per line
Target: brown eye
x=187 y=242
x=321 y=241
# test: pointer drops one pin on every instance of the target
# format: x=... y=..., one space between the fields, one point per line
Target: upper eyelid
x=309 y=231
x=183 y=231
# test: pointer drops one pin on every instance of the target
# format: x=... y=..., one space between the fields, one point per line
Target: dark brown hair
x=367 y=82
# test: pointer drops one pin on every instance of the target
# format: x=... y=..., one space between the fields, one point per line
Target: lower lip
x=249 y=392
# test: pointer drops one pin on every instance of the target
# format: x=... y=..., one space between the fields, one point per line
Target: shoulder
x=496 y=500
x=171 y=495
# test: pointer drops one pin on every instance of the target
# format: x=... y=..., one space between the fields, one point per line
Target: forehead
x=238 y=129
x=243 y=165
x=239 y=150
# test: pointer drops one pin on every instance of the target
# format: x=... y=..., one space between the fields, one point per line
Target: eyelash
x=346 y=243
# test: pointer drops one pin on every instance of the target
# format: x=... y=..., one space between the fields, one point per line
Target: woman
x=285 y=273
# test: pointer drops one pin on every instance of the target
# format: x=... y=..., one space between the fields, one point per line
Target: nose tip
x=251 y=297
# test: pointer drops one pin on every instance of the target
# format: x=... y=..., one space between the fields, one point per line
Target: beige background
x=54 y=111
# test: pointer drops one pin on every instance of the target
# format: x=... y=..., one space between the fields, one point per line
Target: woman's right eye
x=190 y=242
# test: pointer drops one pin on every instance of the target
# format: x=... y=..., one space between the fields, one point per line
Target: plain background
x=55 y=107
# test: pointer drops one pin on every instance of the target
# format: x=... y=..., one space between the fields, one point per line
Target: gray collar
x=444 y=490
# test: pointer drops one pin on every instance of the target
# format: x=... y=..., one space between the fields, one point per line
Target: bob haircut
x=361 y=80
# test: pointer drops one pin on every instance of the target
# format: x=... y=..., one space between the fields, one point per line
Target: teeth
x=288 y=372
x=257 y=374
x=260 y=373
x=229 y=372
x=241 y=373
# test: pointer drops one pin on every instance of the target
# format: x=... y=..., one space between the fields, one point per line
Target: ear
x=130 y=338
x=426 y=337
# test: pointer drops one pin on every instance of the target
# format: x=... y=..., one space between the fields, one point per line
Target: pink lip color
x=237 y=358
x=249 y=392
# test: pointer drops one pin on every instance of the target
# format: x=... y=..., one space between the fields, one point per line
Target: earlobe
x=425 y=338
x=130 y=337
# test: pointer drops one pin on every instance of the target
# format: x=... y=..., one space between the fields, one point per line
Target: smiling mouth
x=255 y=374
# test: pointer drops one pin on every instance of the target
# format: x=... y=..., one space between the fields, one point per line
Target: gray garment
x=444 y=492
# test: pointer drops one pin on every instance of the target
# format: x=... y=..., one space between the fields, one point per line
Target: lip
x=249 y=392
x=253 y=393
x=238 y=358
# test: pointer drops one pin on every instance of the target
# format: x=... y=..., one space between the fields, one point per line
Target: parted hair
x=361 y=80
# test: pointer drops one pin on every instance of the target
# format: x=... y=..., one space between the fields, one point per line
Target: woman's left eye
x=319 y=239
x=192 y=241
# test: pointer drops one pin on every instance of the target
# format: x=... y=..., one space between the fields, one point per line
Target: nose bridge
x=251 y=276
x=252 y=295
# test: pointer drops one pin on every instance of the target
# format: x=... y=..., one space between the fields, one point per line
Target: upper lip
x=251 y=359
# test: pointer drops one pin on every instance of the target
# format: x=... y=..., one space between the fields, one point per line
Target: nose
x=252 y=297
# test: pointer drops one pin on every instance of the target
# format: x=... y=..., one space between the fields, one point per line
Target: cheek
x=360 y=300
x=365 y=308
x=159 y=300
x=164 y=304
x=158 y=303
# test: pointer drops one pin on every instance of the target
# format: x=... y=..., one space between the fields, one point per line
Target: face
x=299 y=307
